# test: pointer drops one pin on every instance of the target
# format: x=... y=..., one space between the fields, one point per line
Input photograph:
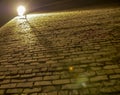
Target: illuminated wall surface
x=8 y=7
x=61 y=53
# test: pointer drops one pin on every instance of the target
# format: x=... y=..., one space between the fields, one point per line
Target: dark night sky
x=8 y=7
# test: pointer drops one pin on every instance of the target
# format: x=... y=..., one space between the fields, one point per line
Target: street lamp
x=21 y=10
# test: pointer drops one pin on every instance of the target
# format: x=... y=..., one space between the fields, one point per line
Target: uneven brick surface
x=64 y=53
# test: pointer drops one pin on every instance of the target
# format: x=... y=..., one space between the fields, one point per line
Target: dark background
x=8 y=7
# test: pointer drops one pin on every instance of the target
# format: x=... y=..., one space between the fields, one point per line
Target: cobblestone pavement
x=64 y=53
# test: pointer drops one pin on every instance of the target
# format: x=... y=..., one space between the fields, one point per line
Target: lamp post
x=21 y=11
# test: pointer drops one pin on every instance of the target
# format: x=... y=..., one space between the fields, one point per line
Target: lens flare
x=71 y=68
x=21 y=10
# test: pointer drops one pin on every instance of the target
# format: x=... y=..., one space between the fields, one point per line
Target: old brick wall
x=66 y=53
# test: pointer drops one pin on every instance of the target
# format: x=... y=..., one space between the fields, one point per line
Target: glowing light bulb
x=21 y=10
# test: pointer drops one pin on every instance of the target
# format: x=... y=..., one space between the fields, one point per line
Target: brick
x=18 y=80
x=35 y=79
x=36 y=70
x=32 y=90
x=5 y=81
x=100 y=72
x=107 y=89
x=12 y=77
x=87 y=61
x=80 y=59
x=109 y=71
x=28 y=71
x=51 y=62
x=21 y=72
x=44 y=93
x=84 y=65
x=62 y=81
x=34 y=63
x=2 y=77
x=14 y=91
x=73 y=80
x=49 y=88
x=82 y=79
x=96 y=68
x=10 y=85
x=26 y=84
x=103 y=59
x=1 y=73
x=28 y=60
x=44 y=74
x=98 y=78
x=43 y=69
x=40 y=83
x=94 y=91
x=34 y=94
x=52 y=93
x=51 y=77
x=110 y=82
x=77 y=69
x=73 y=92
x=111 y=67
x=117 y=88
x=2 y=69
x=104 y=72
x=65 y=76
x=15 y=72
x=58 y=57
x=23 y=94
x=63 y=93
x=84 y=91
x=95 y=84
x=27 y=75
x=90 y=73
x=117 y=71
x=117 y=76
x=2 y=92
x=69 y=86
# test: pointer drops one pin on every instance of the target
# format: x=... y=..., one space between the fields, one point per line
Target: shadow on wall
x=42 y=39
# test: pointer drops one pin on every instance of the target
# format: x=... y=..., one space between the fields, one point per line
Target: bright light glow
x=71 y=68
x=21 y=10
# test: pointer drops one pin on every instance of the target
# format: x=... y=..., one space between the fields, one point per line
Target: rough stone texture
x=63 y=53
x=12 y=91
